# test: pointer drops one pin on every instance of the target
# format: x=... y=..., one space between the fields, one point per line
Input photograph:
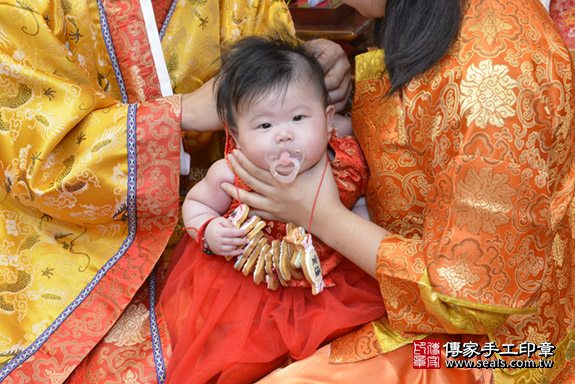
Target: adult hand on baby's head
x=224 y=238
x=199 y=113
x=336 y=67
x=291 y=202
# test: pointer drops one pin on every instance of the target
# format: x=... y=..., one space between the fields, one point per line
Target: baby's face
x=298 y=117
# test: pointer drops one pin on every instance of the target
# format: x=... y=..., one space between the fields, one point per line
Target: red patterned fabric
x=133 y=51
x=161 y=9
x=133 y=353
x=224 y=326
x=563 y=13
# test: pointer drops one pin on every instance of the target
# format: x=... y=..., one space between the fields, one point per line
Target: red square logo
x=426 y=354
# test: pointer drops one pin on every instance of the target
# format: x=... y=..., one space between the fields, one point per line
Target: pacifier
x=285 y=162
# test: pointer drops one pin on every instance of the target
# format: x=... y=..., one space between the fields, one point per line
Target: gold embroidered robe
x=89 y=161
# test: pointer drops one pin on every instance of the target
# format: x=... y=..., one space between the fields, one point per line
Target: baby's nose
x=284 y=134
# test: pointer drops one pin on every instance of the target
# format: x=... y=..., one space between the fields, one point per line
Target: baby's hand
x=224 y=238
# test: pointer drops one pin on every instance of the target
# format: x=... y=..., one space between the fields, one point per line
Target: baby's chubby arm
x=205 y=201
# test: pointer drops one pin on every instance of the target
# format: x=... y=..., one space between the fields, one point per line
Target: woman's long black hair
x=416 y=34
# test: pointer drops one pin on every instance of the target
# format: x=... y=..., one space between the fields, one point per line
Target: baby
x=280 y=119
x=272 y=97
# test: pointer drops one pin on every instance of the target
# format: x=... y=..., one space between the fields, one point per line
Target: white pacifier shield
x=285 y=162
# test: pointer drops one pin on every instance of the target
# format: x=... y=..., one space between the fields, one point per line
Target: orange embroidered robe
x=89 y=161
x=472 y=172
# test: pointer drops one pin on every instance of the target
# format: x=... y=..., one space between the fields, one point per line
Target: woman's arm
x=351 y=235
x=199 y=112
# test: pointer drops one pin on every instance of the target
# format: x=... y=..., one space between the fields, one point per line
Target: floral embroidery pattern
x=488 y=94
x=483 y=201
x=534 y=336
x=491 y=29
x=491 y=26
x=563 y=14
x=127 y=330
x=391 y=295
x=459 y=274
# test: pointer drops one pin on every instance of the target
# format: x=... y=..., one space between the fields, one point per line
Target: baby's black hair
x=254 y=66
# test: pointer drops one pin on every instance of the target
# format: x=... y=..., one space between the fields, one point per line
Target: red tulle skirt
x=224 y=328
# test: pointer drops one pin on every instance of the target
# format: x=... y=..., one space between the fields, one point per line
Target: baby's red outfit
x=225 y=328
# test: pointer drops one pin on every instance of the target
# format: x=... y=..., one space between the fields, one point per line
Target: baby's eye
x=265 y=126
x=298 y=117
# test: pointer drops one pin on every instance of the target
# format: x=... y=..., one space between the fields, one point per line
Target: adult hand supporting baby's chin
x=291 y=202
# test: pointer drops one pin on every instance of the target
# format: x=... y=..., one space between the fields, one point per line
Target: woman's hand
x=336 y=67
x=354 y=237
x=199 y=112
x=291 y=202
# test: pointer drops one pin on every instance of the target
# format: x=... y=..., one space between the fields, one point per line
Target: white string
x=161 y=69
